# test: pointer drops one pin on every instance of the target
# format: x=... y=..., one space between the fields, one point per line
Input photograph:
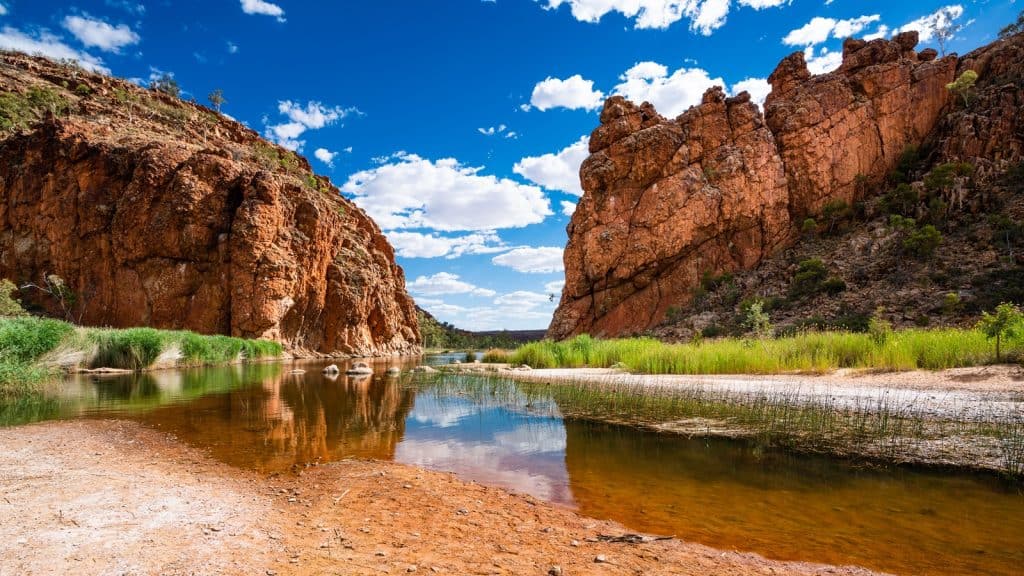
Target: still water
x=726 y=494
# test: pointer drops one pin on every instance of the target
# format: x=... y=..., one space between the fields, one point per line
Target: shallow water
x=726 y=494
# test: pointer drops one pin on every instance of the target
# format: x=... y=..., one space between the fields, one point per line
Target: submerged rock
x=359 y=369
x=332 y=369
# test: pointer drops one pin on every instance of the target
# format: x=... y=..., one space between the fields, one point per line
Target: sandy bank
x=113 y=497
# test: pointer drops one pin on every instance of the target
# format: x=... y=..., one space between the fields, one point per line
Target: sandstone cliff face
x=666 y=201
x=161 y=213
x=720 y=188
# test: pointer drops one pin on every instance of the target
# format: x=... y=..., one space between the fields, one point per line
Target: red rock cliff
x=722 y=187
x=161 y=213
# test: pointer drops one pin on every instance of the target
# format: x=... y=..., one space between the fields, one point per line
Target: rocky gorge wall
x=722 y=187
x=156 y=212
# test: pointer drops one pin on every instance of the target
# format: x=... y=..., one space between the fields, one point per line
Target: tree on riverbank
x=1004 y=323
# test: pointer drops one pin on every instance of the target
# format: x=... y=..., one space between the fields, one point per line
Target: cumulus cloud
x=573 y=93
x=407 y=191
x=671 y=94
x=704 y=16
x=422 y=245
x=444 y=283
x=326 y=156
x=558 y=171
x=263 y=8
x=522 y=299
x=819 y=30
x=312 y=116
x=823 y=62
x=926 y=25
x=568 y=208
x=3 y=10
x=554 y=287
x=49 y=45
x=94 y=33
x=759 y=88
x=529 y=260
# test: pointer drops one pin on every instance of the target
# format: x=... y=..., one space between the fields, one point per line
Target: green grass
x=25 y=342
x=809 y=352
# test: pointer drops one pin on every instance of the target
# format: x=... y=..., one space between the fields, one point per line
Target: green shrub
x=951 y=304
x=942 y=176
x=901 y=200
x=923 y=242
x=833 y=286
x=809 y=227
x=1002 y=324
x=810 y=275
x=834 y=212
x=9 y=303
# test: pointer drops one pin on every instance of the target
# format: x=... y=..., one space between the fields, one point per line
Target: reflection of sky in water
x=489 y=444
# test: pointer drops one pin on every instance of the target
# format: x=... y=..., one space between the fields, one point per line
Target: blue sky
x=459 y=124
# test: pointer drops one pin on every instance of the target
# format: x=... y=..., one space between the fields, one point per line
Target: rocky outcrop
x=161 y=213
x=721 y=187
x=665 y=201
x=840 y=132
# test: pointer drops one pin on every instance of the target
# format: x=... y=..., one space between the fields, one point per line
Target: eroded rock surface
x=721 y=187
x=161 y=213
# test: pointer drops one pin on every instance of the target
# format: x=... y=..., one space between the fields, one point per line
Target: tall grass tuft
x=130 y=349
x=496 y=356
x=807 y=352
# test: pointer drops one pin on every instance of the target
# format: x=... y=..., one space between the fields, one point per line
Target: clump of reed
x=496 y=356
x=807 y=352
x=28 y=343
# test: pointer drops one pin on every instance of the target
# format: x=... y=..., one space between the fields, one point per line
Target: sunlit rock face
x=723 y=186
x=161 y=213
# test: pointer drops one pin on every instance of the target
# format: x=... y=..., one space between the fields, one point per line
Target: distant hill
x=442 y=335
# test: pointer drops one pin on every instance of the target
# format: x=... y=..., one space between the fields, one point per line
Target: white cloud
x=820 y=29
x=824 y=62
x=926 y=25
x=568 y=208
x=541 y=260
x=705 y=16
x=522 y=299
x=491 y=131
x=446 y=283
x=48 y=45
x=881 y=32
x=408 y=191
x=670 y=94
x=326 y=156
x=559 y=171
x=312 y=116
x=420 y=245
x=554 y=287
x=263 y=8
x=232 y=48
x=95 y=33
x=759 y=88
x=573 y=93
x=3 y=10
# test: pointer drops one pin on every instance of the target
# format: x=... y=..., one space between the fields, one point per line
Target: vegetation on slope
x=443 y=336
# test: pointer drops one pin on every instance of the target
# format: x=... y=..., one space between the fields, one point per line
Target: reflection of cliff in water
x=284 y=419
x=732 y=495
